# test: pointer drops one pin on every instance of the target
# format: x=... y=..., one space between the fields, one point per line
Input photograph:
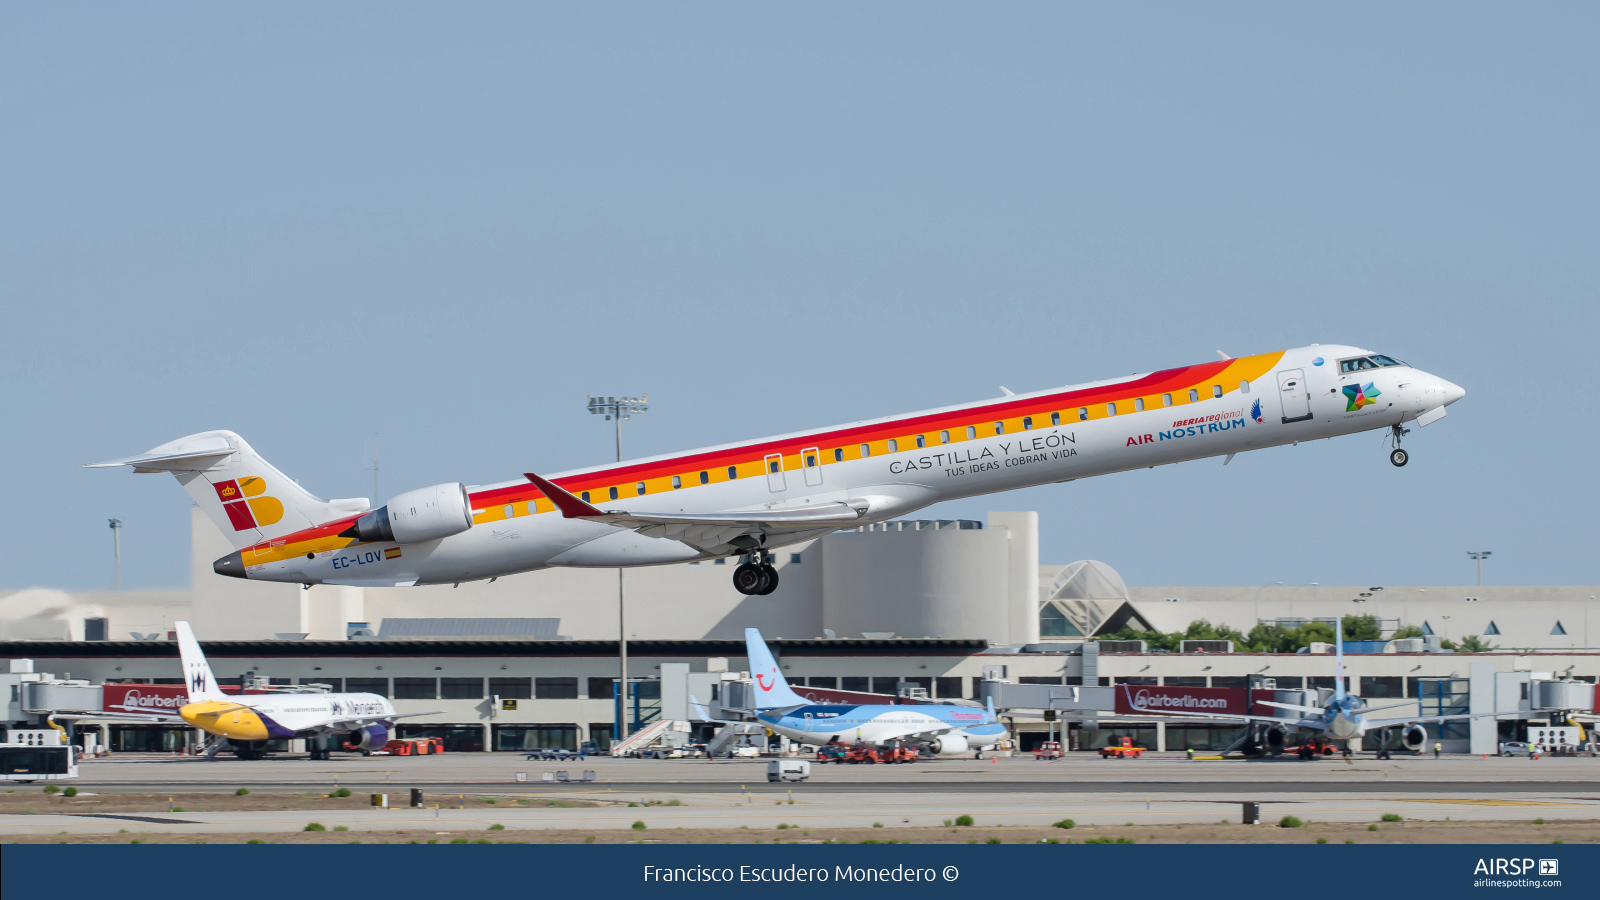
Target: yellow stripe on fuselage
x=226 y=718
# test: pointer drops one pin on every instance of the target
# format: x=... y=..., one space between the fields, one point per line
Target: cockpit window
x=1363 y=363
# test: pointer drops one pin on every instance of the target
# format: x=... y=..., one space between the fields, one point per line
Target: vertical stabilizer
x=196 y=671
x=1338 y=660
x=772 y=689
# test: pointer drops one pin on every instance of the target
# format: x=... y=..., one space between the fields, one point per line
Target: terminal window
x=461 y=688
x=823 y=681
x=511 y=688
x=603 y=688
x=379 y=686
x=416 y=688
x=882 y=685
x=555 y=688
x=855 y=683
x=948 y=687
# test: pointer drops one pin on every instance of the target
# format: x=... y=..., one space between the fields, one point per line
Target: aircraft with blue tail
x=943 y=729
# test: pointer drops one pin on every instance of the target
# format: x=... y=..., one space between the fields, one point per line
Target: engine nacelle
x=948 y=745
x=370 y=737
x=1415 y=737
x=425 y=514
x=1276 y=736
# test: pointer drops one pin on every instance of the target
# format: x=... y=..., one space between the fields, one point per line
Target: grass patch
x=963 y=820
x=562 y=804
x=255 y=841
x=1372 y=827
x=589 y=839
x=70 y=792
x=1322 y=840
x=51 y=789
x=1391 y=817
x=639 y=826
x=341 y=792
x=314 y=826
x=1538 y=821
x=993 y=840
x=1064 y=823
x=340 y=828
x=877 y=824
x=1290 y=822
x=497 y=827
x=1110 y=840
x=242 y=792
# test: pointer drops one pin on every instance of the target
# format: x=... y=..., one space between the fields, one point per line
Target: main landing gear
x=756 y=574
x=1397 y=456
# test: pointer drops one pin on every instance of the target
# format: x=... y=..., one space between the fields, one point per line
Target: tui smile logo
x=1357 y=397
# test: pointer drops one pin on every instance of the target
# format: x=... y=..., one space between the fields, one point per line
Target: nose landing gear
x=1398 y=457
x=756 y=575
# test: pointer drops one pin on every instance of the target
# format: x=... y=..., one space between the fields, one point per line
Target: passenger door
x=811 y=461
x=1296 y=399
x=773 y=463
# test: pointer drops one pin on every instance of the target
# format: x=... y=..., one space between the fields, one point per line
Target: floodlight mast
x=116 y=549
x=1480 y=556
x=615 y=409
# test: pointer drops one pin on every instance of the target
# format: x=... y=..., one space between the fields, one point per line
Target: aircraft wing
x=1237 y=717
x=1415 y=720
x=702 y=529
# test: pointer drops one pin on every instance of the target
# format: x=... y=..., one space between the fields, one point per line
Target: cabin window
x=1083 y=414
x=811 y=460
x=894 y=446
x=1111 y=409
x=639 y=488
x=944 y=437
x=1166 y=399
x=585 y=496
x=1244 y=387
x=705 y=477
x=1194 y=396
x=1216 y=390
x=866 y=450
x=972 y=432
x=774 y=467
x=733 y=472
x=922 y=440
x=999 y=428
x=677 y=482
x=509 y=511
x=1138 y=404
x=613 y=492
x=838 y=454
x=1027 y=423
x=1055 y=418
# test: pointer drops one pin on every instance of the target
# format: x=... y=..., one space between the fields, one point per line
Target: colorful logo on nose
x=1357 y=397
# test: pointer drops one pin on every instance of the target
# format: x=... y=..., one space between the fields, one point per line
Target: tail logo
x=762 y=680
x=245 y=504
x=1357 y=397
x=197 y=682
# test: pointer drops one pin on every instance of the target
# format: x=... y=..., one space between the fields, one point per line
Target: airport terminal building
x=941 y=609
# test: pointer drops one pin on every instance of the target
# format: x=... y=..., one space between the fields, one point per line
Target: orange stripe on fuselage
x=748 y=459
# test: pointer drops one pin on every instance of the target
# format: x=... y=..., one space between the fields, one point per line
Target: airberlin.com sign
x=1133 y=699
x=145 y=699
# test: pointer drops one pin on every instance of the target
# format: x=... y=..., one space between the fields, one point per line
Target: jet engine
x=369 y=737
x=1276 y=737
x=1414 y=737
x=948 y=745
x=425 y=514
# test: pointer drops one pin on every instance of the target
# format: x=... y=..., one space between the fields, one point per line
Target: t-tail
x=197 y=675
x=1338 y=661
x=772 y=689
x=249 y=500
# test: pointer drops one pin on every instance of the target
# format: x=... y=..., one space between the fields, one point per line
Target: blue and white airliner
x=943 y=729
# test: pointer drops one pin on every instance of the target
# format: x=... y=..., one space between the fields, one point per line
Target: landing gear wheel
x=749 y=579
x=1399 y=457
x=771 y=574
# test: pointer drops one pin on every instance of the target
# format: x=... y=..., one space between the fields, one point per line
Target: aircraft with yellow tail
x=361 y=720
x=744 y=499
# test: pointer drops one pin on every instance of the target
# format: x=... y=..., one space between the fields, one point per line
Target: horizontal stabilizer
x=1294 y=707
x=189 y=456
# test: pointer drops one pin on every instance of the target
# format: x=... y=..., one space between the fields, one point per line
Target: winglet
x=1223 y=356
x=571 y=507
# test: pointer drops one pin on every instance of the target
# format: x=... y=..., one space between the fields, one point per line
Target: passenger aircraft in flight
x=945 y=729
x=363 y=720
x=745 y=499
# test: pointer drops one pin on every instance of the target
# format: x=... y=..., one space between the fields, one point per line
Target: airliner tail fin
x=197 y=675
x=772 y=689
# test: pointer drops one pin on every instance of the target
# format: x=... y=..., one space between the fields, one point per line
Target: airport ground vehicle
x=788 y=770
x=37 y=755
x=1516 y=748
x=411 y=747
x=1048 y=750
x=832 y=752
x=1314 y=747
x=1123 y=749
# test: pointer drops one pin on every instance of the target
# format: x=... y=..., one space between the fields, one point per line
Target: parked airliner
x=1345 y=716
x=745 y=499
x=945 y=729
x=362 y=720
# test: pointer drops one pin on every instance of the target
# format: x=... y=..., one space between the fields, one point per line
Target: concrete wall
x=931 y=583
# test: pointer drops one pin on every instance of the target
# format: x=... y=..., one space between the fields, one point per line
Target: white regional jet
x=745 y=499
x=945 y=729
x=363 y=720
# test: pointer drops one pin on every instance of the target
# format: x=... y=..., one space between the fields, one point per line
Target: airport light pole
x=1480 y=556
x=615 y=409
x=116 y=550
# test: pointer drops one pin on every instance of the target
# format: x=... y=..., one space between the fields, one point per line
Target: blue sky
x=448 y=225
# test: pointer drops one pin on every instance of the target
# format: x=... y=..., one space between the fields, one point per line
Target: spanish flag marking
x=392 y=553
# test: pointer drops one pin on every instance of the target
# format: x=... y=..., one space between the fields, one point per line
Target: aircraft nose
x=1452 y=392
